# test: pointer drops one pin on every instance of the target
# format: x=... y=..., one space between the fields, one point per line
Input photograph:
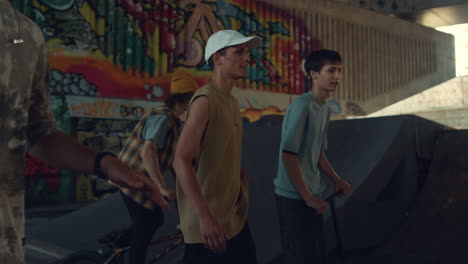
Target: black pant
x=301 y=232
x=145 y=222
x=239 y=250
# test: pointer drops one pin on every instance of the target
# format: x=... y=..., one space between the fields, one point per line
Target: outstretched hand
x=122 y=175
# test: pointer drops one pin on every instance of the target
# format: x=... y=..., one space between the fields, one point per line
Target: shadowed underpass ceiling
x=439 y=16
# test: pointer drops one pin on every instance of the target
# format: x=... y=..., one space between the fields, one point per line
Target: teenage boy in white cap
x=212 y=192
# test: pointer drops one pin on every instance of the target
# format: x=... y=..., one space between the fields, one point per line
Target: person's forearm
x=293 y=168
x=325 y=165
x=150 y=160
x=62 y=151
x=186 y=177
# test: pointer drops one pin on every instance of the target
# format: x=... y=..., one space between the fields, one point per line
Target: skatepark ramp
x=385 y=159
x=436 y=229
x=402 y=198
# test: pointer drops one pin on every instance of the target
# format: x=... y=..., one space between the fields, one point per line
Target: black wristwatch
x=97 y=164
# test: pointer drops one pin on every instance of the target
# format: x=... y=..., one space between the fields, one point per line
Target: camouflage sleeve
x=41 y=121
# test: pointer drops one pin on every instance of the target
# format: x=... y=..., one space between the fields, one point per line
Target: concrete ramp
x=385 y=159
x=80 y=230
x=436 y=230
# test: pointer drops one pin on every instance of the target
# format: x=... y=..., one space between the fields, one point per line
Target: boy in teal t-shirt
x=298 y=186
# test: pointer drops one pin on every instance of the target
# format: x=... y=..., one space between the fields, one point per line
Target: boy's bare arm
x=340 y=184
x=293 y=168
x=149 y=156
x=188 y=147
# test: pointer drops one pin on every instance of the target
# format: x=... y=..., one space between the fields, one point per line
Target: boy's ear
x=313 y=74
x=216 y=58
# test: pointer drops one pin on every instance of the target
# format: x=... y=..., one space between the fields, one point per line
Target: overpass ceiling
x=439 y=16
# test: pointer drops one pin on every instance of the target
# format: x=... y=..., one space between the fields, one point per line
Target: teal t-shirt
x=156 y=129
x=304 y=133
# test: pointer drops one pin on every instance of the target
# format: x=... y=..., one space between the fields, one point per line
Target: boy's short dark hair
x=221 y=52
x=319 y=58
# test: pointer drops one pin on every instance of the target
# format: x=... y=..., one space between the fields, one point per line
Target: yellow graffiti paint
x=101 y=27
x=137 y=29
x=89 y=15
x=39 y=6
x=83 y=189
x=236 y=24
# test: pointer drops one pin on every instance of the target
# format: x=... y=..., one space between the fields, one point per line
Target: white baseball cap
x=227 y=38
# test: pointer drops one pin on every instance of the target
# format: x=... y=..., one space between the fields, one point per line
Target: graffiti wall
x=111 y=60
x=102 y=134
x=98 y=107
x=119 y=48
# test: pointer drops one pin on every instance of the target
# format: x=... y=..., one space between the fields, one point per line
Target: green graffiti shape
x=59 y=5
x=278 y=28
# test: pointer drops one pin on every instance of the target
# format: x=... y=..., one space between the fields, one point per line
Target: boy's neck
x=321 y=95
x=222 y=82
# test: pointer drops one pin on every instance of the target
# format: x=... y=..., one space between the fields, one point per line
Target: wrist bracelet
x=97 y=164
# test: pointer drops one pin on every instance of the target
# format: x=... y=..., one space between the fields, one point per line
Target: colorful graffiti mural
x=45 y=185
x=83 y=106
x=115 y=48
x=108 y=57
x=103 y=135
